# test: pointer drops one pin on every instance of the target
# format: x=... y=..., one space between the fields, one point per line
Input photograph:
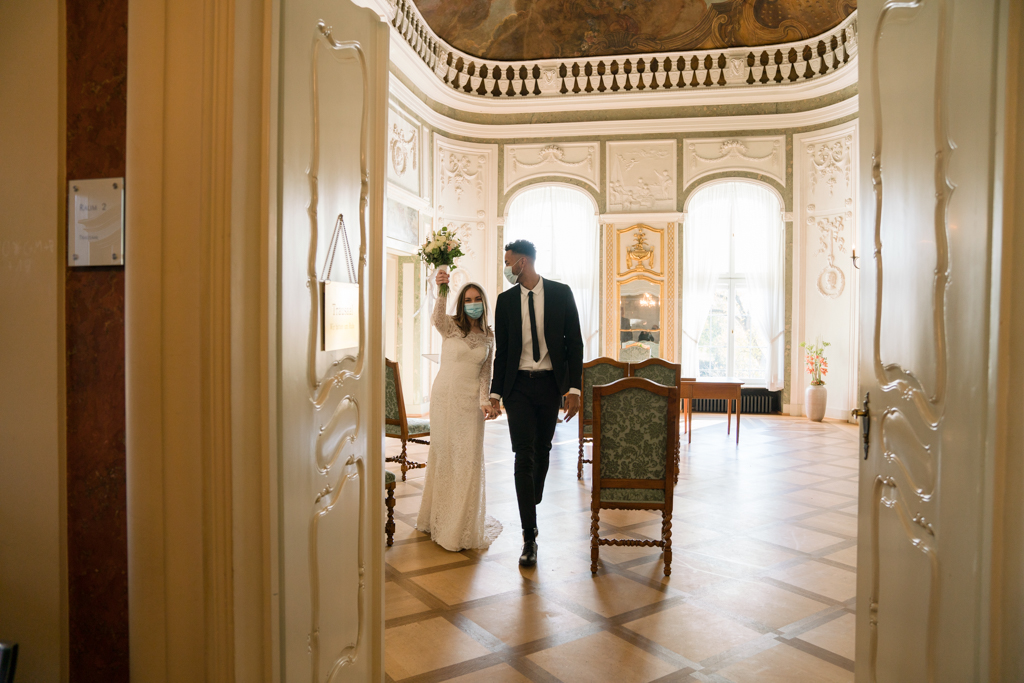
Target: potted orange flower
x=815 y=396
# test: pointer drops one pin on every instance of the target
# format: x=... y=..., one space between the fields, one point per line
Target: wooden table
x=726 y=388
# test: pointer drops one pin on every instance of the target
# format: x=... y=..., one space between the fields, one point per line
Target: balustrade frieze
x=700 y=69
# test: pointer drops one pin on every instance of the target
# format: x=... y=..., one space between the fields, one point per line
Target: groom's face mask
x=511 y=276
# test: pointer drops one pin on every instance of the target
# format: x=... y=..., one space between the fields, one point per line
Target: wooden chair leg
x=666 y=536
x=401 y=459
x=676 y=473
x=389 y=526
x=594 y=515
x=579 y=462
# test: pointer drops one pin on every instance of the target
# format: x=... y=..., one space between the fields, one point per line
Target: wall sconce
x=854 y=258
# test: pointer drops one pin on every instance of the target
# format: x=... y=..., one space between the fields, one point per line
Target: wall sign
x=96 y=222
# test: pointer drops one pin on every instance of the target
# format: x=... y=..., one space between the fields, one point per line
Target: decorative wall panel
x=825 y=235
x=642 y=176
x=574 y=160
x=764 y=155
x=405 y=151
x=466 y=188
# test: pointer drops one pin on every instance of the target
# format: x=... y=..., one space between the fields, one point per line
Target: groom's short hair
x=523 y=248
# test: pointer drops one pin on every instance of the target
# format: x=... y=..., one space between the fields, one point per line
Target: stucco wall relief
x=580 y=160
x=762 y=155
x=641 y=176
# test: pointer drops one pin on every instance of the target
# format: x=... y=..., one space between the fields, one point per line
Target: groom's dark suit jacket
x=561 y=333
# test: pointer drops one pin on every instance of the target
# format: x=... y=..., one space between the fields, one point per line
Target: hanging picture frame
x=339 y=301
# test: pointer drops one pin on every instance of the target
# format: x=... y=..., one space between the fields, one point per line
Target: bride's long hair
x=464 y=322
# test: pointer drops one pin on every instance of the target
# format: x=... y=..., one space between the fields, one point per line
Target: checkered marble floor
x=762 y=586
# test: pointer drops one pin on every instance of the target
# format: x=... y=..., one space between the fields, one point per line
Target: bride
x=453 y=508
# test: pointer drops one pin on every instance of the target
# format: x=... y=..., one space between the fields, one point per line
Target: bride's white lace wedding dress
x=453 y=510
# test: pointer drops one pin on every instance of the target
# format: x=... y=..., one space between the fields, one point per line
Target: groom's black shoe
x=529 y=556
x=536 y=533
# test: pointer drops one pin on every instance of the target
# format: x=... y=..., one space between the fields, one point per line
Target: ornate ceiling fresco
x=541 y=29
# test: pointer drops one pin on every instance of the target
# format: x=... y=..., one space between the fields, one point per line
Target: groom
x=538 y=359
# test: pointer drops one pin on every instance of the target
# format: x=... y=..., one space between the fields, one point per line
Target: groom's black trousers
x=532 y=410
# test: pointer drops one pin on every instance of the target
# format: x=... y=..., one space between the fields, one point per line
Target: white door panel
x=333 y=79
x=926 y=108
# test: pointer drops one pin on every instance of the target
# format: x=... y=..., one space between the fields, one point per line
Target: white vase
x=815 y=398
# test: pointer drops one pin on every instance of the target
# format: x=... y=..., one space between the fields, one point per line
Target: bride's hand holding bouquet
x=440 y=251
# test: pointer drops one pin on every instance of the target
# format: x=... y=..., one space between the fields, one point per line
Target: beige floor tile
x=621 y=518
x=482 y=580
x=843 y=487
x=827 y=470
x=796 y=538
x=601 y=657
x=409 y=505
x=524 y=620
x=683 y=533
x=423 y=646
x=747 y=551
x=610 y=594
x=818 y=498
x=785 y=664
x=833 y=521
x=820 y=578
x=555 y=563
x=403 y=531
x=410 y=557
x=835 y=636
x=768 y=605
x=776 y=508
x=503 y=673
x=399 y=602
x=692 y=632
x=798 y=478
x=847 y=556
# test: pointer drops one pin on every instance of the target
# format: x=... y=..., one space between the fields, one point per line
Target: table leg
x=739 y=401
x=689 y=420
x=728 y=418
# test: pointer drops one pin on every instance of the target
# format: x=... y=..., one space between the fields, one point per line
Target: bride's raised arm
x=442 y=321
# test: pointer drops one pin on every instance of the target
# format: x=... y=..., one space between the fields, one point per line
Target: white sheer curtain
x=562 y=224
x=705 y=259
x=760 y=256
x=749 y=214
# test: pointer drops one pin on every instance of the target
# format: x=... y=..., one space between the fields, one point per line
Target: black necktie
x=533 y=328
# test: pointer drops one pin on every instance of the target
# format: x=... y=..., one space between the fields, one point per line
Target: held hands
x=572 y=406
x=489 y=411
x=441 y=278
x=495 y=408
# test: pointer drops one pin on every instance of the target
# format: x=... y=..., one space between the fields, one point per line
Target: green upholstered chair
x=595 y=372
x=664 y=373
x=636 y=428
x=396 y=424
x=634 y=353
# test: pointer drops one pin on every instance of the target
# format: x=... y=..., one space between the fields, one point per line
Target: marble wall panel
x=97 y=548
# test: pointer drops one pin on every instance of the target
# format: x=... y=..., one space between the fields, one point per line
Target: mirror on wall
x=640 y=319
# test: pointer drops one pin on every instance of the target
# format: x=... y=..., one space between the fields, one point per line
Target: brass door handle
x=863 y=415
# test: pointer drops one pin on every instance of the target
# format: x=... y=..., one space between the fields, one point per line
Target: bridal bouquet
x=440 y=251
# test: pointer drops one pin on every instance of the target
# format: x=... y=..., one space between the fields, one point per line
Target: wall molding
x=590 y=129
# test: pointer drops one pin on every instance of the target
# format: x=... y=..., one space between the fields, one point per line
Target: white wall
x=825 y=195
x=33 y=581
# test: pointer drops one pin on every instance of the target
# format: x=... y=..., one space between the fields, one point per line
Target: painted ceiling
x=541 y=29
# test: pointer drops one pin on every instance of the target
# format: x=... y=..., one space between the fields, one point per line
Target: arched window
x=733 y=317
x=561 y=222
